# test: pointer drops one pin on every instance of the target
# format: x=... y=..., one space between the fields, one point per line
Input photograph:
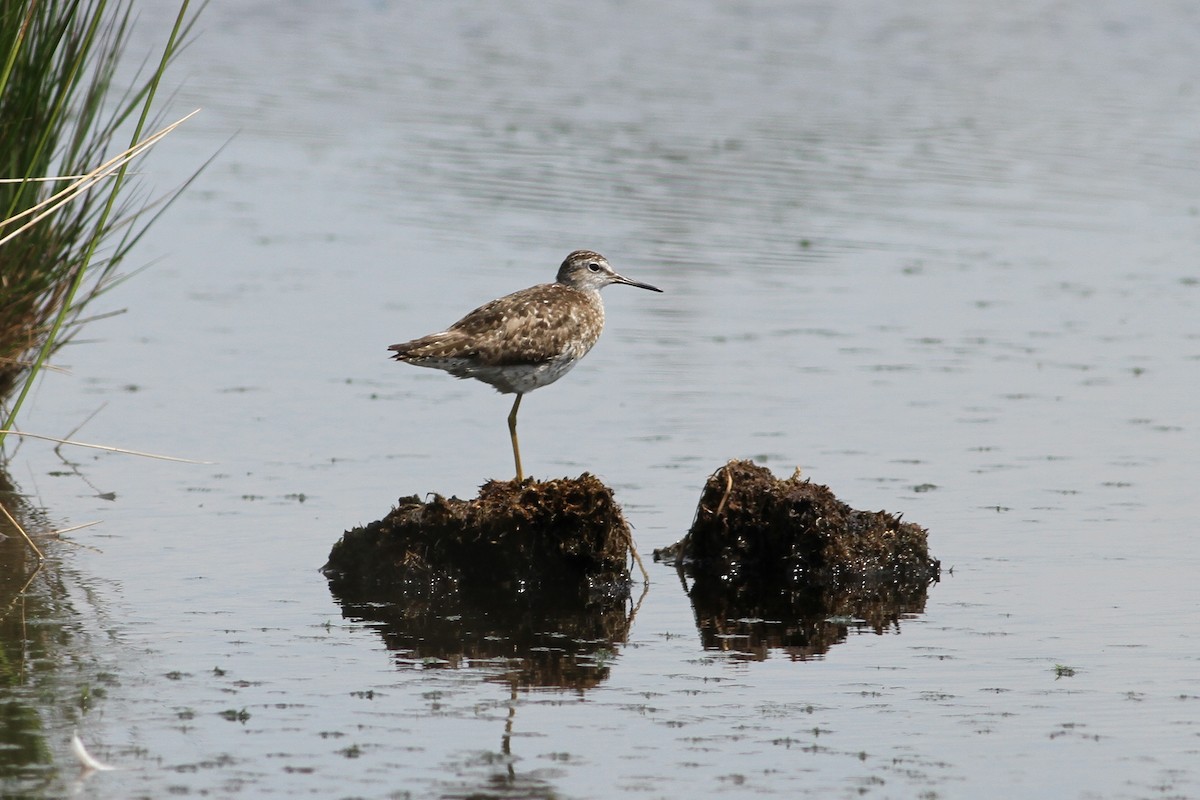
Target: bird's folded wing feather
x=530 y=326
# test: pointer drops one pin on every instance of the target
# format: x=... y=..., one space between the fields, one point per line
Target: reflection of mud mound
x=561 y=535
x=552 y=642
x=802 y=622
x=527 y=581
x=785 y=564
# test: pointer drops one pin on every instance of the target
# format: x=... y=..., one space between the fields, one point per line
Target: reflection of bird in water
x=525 y=340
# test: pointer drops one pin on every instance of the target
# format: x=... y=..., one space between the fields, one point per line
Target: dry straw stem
x=108 y=448
x=29 y=541
x=638 y=559
x=84 y=183
x=50 y=179
x=105 y=447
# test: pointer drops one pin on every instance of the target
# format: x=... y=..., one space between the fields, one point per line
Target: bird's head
x=589 y=271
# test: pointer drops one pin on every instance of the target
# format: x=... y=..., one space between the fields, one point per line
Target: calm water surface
x=941 y=257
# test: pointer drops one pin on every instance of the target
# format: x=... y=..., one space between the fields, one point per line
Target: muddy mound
x=752 y=526
x=528 y=581
x=565 y=535
x=774 y=564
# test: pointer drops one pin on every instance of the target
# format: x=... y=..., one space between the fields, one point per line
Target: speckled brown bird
x=525 y=340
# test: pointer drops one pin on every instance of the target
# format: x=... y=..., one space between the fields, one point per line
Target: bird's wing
x=531 y=326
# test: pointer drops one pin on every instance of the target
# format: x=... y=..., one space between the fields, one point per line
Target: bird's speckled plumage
x=527 y=339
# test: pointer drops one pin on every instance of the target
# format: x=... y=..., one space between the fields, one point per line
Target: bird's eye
x=594 y=267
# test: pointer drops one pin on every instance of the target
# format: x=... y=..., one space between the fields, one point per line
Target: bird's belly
x=518 y=378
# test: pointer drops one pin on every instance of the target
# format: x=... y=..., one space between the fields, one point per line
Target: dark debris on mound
x=752 y=526
x=566 y=535
x=784 y=564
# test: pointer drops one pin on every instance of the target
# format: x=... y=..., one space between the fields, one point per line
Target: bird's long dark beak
x=627 y=282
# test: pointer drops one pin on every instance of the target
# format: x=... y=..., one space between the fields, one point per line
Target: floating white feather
x=85 y=758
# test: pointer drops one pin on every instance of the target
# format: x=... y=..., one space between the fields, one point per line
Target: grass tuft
x=62 y=114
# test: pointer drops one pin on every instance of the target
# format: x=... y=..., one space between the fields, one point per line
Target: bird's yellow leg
x=512 y=430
